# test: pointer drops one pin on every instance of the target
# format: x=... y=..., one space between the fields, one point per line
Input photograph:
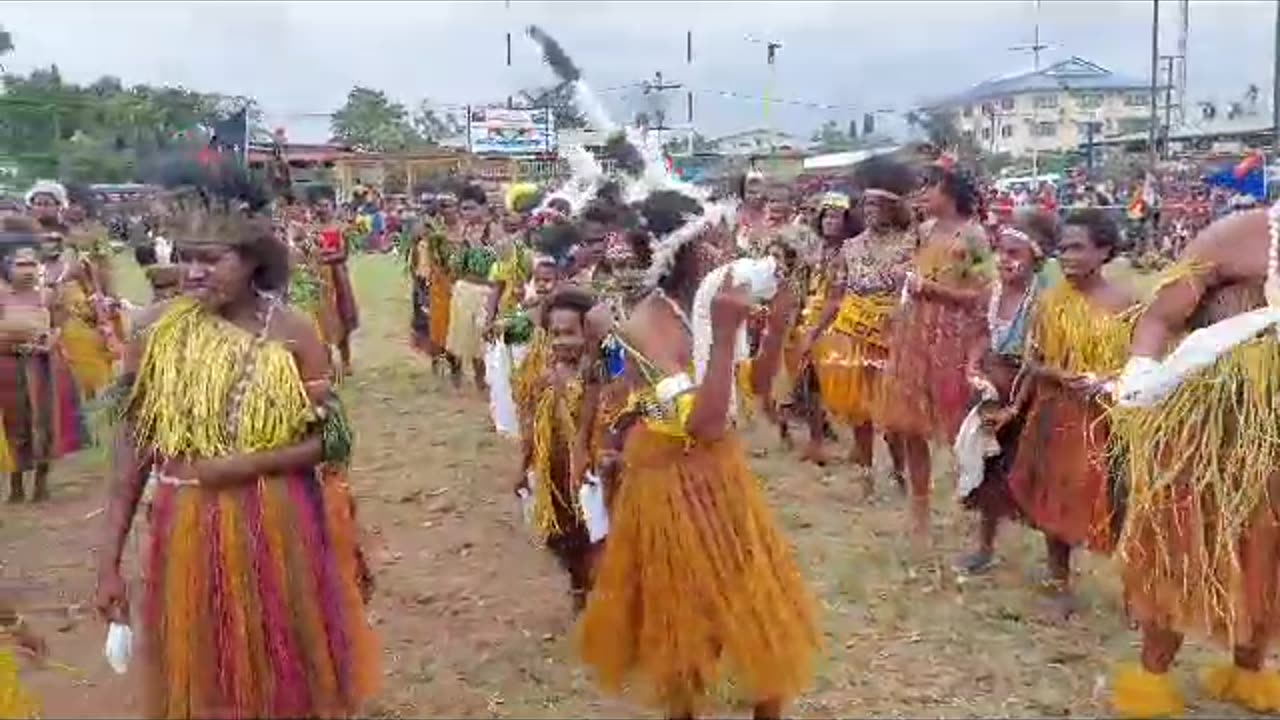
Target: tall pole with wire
x=1275 y=95
x=1155 y=83
x=1035 y=48
x=688 y=96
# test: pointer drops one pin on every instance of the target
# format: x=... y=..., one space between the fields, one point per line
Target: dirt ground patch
x=475 y=621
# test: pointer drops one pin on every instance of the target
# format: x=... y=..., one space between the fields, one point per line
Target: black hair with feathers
x=665 y=211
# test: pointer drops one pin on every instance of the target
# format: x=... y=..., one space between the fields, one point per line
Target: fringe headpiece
x=51 y=188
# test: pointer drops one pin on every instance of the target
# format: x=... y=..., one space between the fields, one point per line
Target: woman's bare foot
x=815 y=453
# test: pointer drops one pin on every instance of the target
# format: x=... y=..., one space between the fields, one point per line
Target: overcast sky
x=300 y=59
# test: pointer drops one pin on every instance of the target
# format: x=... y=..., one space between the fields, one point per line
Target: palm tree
x=6 y=44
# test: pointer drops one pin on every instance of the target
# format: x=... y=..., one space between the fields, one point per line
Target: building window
x=1006 y=103
x=1136 y=99
x=1089 y=101
x=1006 y=131
x=1046 y=129
x=968 y=111
x=1042 y=102
x=986 y=133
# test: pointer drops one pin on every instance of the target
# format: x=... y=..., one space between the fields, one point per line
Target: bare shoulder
x=148 y=315
x=1236 y=247
x=291 y=326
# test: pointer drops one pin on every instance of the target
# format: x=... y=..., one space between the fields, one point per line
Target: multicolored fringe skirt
x=338 y=314
x=924 y=392
x=696 y=582
x=253 y=602
x=40 y=404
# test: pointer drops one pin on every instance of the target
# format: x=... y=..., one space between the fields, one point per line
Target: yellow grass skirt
x=696 y=583
x=849 y=358
x=7 y=464
x=1201 y=542
x=15 y=701
x=87 y=354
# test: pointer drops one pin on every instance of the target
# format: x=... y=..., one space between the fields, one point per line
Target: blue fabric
x=1253 y=183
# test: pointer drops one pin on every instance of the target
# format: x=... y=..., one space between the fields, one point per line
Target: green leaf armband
x=336 y=438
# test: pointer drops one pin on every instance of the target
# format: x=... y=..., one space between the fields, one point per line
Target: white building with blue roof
x=1049 y=110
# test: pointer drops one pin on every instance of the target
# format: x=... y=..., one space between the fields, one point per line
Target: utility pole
x=1275 y=95
x=1155 y=83
x=1168 y=101
x=660 y=111
x=1035 y=48
x=771 y=48
x=688 y=96
x=1184 y=30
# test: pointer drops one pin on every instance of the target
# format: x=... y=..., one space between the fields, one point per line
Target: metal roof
x=1075 y=73
x=1195 y=130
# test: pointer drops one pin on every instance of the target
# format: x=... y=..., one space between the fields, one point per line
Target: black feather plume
x=554 y=55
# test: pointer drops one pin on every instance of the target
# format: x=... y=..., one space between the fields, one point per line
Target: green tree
x=434 y=124
x=679 y=144
x=369 y=120
x=831 y=138
x=562 y=101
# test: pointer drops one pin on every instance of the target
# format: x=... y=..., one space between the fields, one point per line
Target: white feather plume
x=759 y=275
x=664 y=250
x=164 y=250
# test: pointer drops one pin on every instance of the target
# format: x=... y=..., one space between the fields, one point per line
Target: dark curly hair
x=665 y=211
x=474 y=193
x=955 y=184
x=1103 y=231
x=883 y=173
x=851 y=221
x=568 y=297
x=1042 y=226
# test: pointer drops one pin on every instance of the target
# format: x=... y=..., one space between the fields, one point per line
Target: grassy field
x=475 y=621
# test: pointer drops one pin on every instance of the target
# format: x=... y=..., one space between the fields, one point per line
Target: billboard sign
x=503 y=131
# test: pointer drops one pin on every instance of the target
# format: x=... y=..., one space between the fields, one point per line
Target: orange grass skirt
x=696 y=583
x=1060 y=477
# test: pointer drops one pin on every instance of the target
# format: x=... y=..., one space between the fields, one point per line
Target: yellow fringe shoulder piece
x=1212 y=444
x=1073 y=335
x=1185 y=269
x=555 y=428
x=15 y=701
x=194 y=367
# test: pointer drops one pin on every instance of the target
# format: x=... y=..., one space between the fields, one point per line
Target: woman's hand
x=112 y=597
x=729 y=308
x=214 y=473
